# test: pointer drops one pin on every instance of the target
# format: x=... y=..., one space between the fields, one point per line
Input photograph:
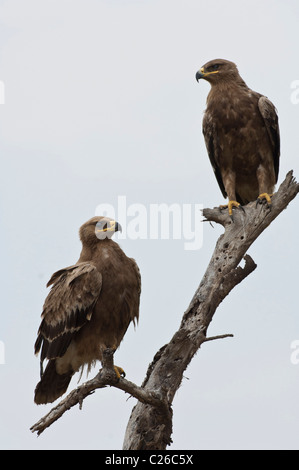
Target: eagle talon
x=119 y=372
x=230 y=206
x=264 y=198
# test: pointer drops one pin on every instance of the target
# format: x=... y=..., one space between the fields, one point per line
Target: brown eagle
x=88 y=309
x=241 y=133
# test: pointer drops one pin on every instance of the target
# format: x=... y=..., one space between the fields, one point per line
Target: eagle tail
x=52 y=385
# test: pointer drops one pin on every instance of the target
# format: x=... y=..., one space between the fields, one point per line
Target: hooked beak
x=117 y=227
x=199 y=74
x=113 y=227
x=202 y=74
x=106 y=228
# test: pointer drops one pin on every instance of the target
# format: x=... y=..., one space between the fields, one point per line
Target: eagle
x=241 y=133
x=87 y=310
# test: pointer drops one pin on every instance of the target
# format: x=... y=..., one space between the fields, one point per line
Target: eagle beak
x=110 y=227
x=117 y=227
x=200 y=74
x=113 y=227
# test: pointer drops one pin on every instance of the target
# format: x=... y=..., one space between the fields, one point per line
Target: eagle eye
x=213 y=68
x=100 y=224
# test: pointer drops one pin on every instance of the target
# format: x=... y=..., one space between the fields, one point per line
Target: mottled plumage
x=241 y=133
x=88 y=309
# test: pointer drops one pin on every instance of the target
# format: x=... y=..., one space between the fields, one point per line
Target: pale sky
x=101 y=101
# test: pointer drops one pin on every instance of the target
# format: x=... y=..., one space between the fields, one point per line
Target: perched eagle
x=88 y=309
x=241 y=133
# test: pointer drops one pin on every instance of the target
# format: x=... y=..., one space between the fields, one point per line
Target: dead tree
x=150 y=423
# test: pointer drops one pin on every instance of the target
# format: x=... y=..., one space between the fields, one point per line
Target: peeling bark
x=222 y=275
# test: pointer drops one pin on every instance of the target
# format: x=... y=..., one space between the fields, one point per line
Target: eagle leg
x=119 y=371
x=264 y=197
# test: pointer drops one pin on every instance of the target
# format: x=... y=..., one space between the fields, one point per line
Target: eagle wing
x=68 y=306
x=269 y=115
x=134 y=315
x=212 y=144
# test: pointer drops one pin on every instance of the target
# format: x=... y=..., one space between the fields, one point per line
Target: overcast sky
x=101 y=102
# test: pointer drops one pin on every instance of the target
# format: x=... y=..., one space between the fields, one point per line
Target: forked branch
x=145 y=430
x=106 y=377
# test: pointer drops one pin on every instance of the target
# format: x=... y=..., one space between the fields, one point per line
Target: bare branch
x=106 y=376
x=212 y=338
x=221 y=276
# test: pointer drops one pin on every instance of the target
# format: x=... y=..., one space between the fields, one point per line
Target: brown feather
x=88 y=309
x=67 y=308
x=241 y=134
x=52 y=385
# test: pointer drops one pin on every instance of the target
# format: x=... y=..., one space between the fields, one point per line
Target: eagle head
x=217 y=70
x=98 y=228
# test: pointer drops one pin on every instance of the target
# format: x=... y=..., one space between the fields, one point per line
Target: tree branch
x=106 y=376
x=222 y=275
x=212 y=338
x=150 y=424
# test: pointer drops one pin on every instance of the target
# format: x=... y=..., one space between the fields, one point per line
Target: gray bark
x=148 y=427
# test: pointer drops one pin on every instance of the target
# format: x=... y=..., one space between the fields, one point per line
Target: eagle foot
x=230 y=206
x=264 y=197
x=119 y=372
